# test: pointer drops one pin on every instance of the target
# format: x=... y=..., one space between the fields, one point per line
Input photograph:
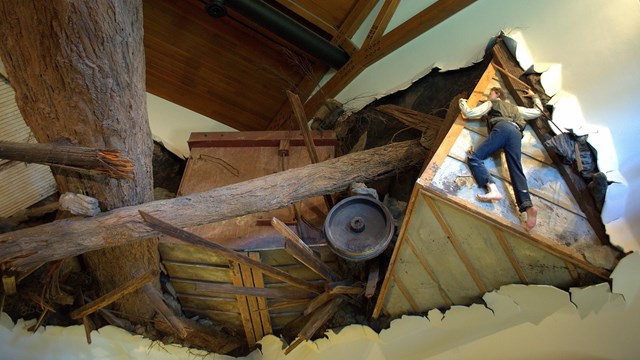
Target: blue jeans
x=505 y=135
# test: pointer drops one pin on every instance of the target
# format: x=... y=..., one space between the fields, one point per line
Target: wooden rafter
x=381 y=22
x=405 y=292
x=354 y=20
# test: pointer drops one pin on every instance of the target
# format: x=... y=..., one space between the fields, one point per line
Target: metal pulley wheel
x=359 y=228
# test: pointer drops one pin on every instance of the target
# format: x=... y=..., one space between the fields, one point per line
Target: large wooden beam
x=24 y=248
x=77 y=158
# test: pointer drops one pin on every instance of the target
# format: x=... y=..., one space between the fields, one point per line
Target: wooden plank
x=115 y=294
x=208 y=302
x=503 y=58
x=459 y=250
x=512 y=258
x=252 y=300
x=279 y=257
x=199 y=272
x=453 y=133
x=248 y=290
x=182 y=253
x=231 y=255
x=418 y=24
x=381 y=22
x=352 y=23
x=299 y=271
x=230 y=319
x=299 y=250
x=410 y=117
x=572 y=271
x=428 y=270
x=316 y=320
x=259 y=138
x=258 y=282
x=243 y=306
x=9 y=284
x=318 y=301
x=405 y=292
x=372 y=279
x=158 y=303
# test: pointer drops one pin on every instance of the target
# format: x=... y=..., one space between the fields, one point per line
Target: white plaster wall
x=172 y=124
x=592 y=46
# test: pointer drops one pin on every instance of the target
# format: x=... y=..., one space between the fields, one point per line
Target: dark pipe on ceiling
x=283 y=26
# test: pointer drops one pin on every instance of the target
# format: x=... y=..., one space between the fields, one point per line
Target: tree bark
x=63 y=238
x=78 y=71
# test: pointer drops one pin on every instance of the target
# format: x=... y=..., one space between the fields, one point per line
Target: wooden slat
x=372 y=279
x=418 y=24
x=316 y=320
x=459 y=250
x=243 y=306
x=354 y=20
x=381 y=22
x=405 y=292
x=318 y=301
x=572 y=271
x=299 y=250
x=510 y=255
x=231 y=255
x=249 y=290
x=258 y=282
x=252 y=301
x=427 y=268
x=115 y=294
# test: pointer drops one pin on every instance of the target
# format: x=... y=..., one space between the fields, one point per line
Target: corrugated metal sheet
x=21 y=185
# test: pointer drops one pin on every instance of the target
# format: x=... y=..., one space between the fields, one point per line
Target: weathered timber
x=301 y=117
x=299 y=250
x=227 y=253
x=79 y=158
x=115 y=294
x=63 y=238
x=508 y=65
x=158 y=303
x=412 y=118
x=78 y=71
x=290 y=294
x=316 y=320
x=318 y=302
x=201 y=336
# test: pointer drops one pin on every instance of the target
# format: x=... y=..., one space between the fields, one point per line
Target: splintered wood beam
x=412 y=118
x=225 y=252
x=64 y=238
x=115 y=294
x=316 y=320
x=301 y=117
x=381 y=22
x=299 y=250
x=78 y=158
x=409 y=30
x=289 y=294
x=158 y=303
x=508 y=65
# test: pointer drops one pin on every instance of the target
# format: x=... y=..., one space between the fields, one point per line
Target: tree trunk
x=62 y=238
x=78 y=71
